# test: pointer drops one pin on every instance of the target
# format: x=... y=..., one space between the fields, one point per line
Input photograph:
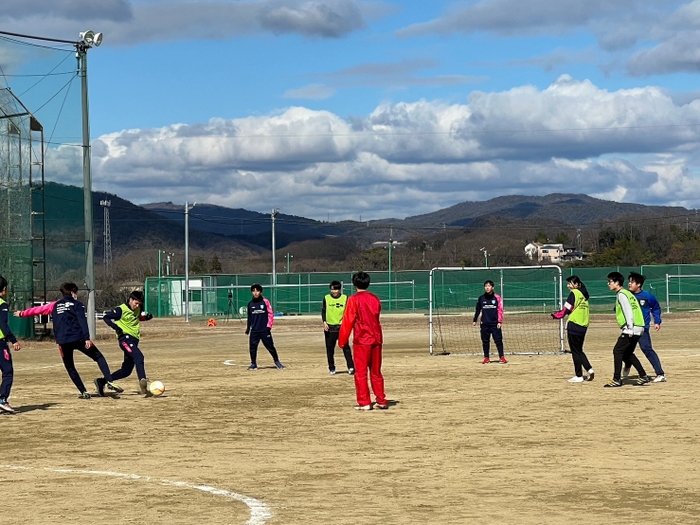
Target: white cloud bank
x=410 y=158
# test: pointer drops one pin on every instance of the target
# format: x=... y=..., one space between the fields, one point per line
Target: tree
x=562 y=238
x=215 y=265
x=199 y=266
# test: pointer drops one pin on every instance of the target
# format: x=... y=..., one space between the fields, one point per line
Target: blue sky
x=344 y=108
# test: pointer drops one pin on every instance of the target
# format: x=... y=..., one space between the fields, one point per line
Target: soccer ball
x=156 y=388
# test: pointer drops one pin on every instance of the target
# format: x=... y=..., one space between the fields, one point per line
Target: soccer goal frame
x=680 y=294
x=551 y=282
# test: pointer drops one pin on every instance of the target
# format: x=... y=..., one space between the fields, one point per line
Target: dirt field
x=462 y=442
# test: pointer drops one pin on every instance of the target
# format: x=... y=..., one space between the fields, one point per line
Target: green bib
x=129 y=323
x=637 y=314
x=335 y=308
x=581 y=314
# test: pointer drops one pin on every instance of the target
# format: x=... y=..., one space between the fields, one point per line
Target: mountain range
x=248 y=232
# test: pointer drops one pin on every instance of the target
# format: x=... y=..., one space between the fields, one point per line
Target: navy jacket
x=69 y=321
x=260 y=315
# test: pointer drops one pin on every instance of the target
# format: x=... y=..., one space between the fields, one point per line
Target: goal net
x=682 y=292
x=529 y=294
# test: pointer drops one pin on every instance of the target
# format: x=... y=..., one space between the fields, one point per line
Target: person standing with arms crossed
x=7 y=339
x=490 y=307
x=332 y=315
x=576 y=307
x=361 y=318
x=631 y=322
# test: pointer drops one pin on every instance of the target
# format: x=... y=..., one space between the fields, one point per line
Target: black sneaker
x=114 y=387
x=351 y=371
x=85 y=395
x=100 y=386
x=642 y=381
x=143 y=386
x=612 y=384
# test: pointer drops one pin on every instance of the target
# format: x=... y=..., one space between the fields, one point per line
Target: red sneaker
x=503 y=359
x=486 y=361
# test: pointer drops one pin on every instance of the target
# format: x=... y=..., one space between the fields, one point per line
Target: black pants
x=66 y=350
x=624 y=351
x=8 y=372
x=486 y=332
x=133 y=356
x=266 y=338
x=577 y=354
x=331 y=340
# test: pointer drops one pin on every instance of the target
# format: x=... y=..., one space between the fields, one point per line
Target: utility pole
x=391 y=246
x=187 y=260
x=274 y=214
x=108 y=239
x=88 y=39
x=289 y=256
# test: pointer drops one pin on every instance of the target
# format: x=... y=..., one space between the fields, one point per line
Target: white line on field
x=229 y=362
x=37 y=368
x=259 y=512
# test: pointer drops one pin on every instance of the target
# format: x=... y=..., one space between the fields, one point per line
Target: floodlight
x=87 y=37
x=98 y=39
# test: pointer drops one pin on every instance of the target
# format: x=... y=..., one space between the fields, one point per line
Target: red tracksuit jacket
x=362 y=314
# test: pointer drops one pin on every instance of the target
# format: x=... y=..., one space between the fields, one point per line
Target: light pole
x=391 y=246
x=88 y=39
x=486 y=256
x=274 y=214
x=289 y=256
x=187 y=260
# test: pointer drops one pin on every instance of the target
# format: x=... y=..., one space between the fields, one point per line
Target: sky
x=341 y=109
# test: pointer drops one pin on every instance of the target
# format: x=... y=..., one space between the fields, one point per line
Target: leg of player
x=66 y=352
x=347 y=352
x=253 y=343
x=375 y=376
x=270 y=345
x=331 y=337
x=498 y=341
x=652 y=356
x=362 y=359
x=486 y=342
x=7 y=377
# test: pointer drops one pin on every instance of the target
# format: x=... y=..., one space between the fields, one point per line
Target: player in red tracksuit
x=362 y=315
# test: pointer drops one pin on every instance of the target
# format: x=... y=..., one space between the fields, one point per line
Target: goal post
x=529 y=294
x=683 y=291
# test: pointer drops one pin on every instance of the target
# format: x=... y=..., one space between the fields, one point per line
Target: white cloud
x=127 y=22
x=410 y=158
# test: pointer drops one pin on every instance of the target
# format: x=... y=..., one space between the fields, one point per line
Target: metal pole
x=288 y=262
x=160 y=276
x=187 y=261
x=81 y=49
x=274 y=247
x=391 y=244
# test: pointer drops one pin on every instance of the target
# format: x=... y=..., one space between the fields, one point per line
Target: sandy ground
x=462 y=442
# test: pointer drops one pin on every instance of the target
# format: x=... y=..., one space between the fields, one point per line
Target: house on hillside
x=551 y=253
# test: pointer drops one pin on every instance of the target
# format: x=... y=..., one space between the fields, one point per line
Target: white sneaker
x=659 y=379
x=591 y=375
x=363 y=407
x=576 y=379
x=626 y=372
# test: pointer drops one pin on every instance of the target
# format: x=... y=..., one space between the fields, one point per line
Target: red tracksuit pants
x=368 y=358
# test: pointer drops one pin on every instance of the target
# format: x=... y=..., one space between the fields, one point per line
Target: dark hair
x=69 y=288
x=361 y=280
x=335 y=285
x=637 y=278
x=489 y=281
x=574 y=279
x=257 y=287
x=616 y=277
x=137 y=296
x=3 y=283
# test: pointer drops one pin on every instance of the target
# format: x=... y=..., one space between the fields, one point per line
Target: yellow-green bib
x=581 y=315
x=335 y=306
x=129 y=322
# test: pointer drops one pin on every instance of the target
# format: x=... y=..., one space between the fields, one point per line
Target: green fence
x=405 y=292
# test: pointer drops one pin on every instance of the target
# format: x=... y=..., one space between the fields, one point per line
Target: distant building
x=553 y=253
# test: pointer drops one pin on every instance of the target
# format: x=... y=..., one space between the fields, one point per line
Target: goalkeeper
x=125 y=321
x=576 y=307
x=490 y=307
